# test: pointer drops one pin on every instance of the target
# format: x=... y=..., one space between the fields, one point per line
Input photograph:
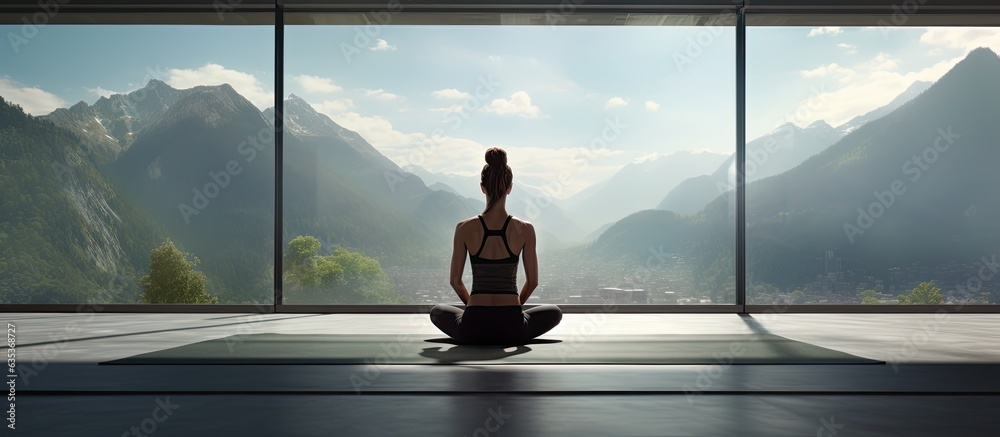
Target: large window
x=139 y=145
x=605 y=126
x=136 y=164
x=870 y=164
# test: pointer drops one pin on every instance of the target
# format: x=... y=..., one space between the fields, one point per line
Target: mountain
x=339 y=188
x=440 y=186
x=773 y=153
x=111 y=124
x=800 y=214
x=914 y=186
x=66 y=233
x=637 y=186
x=197 y=165
x=908 y=94
x=204 y=168
x=304 y=122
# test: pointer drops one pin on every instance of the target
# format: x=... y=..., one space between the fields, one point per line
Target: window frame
x=276 y=12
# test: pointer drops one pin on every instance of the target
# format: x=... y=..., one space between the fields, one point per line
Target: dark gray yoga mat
x=271 y=348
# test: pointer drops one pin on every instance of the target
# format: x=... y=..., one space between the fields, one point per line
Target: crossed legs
x=537 y=320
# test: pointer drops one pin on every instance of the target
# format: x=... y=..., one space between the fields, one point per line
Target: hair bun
x=496 y=156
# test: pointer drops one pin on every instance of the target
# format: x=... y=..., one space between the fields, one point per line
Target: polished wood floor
x=942 y=378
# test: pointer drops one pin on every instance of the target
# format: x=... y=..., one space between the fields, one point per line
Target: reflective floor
x=942 y=378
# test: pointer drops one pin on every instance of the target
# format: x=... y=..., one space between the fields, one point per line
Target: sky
x=574 y=103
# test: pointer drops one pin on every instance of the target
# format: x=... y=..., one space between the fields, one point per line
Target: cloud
x=518 y=104
x=382 y=45
x=102 y=92
x=450 y=93
x=832 y=70
x=870 y=84
x=647 y=157
x=962 y=38
x=455 y=155
x=334 y=106
x=881 y=61
x=616 y=102
x=652 y=106
x=381 y=94
x=214 y=74
x=493 y=58
x=828 y=30
x=850 y=49
x=561 y=166
x=316 y=84
x=33 y=100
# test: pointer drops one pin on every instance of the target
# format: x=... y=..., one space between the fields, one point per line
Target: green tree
x=344 y=276
x=924 y=294
x=870 y=297
x=172 y=278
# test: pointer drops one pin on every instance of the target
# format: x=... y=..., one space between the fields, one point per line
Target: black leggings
x=495 y=325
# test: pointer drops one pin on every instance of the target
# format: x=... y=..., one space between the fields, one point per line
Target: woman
x=495 y=241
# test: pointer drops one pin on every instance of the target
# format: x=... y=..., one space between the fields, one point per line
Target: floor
x=942 y=378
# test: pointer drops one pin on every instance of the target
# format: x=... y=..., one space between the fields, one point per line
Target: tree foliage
x=344 y=276
x=172 y=278
x=924 y=294
x=870 y=297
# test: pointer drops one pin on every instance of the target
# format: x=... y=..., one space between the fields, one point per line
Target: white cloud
x=381 y=94
x=334 y=106
x=102 y=92
x=451 y=93
x=962 y=38
x=850 y=49
x=652 y=106
x=542 y=163
x=881 y=61
x=518 y=104
x=455 y=155
x=382 y=45
x=493 y=58
x=214 y=74
x=831 y=70
x=827 y=30
x=615 y=102
x=316 y=84
x=646 y=157
x=33 y=100
x=871 y=84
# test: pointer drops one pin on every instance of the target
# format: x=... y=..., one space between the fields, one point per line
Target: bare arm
x=458 y=267
x=530 y=259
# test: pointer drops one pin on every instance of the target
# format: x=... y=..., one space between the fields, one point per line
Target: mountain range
x=775 y=152
x=90 y=189
x=197 y=165
x=913 y=186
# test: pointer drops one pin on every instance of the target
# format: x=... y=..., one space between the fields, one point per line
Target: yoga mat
x=271 y=348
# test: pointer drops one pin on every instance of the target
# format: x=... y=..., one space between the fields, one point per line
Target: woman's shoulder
x=520 y=224
x=465 y=222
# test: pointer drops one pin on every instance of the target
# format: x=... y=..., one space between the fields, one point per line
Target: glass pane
x=871 y=157
x=136 y=165
x=614 y=134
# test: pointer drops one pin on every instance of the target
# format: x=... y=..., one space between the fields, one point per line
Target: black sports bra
x=494 y=276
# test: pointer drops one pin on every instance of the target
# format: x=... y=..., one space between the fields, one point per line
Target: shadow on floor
x=458 y=353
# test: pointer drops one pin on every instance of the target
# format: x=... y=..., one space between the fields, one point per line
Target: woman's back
x=494 y=244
